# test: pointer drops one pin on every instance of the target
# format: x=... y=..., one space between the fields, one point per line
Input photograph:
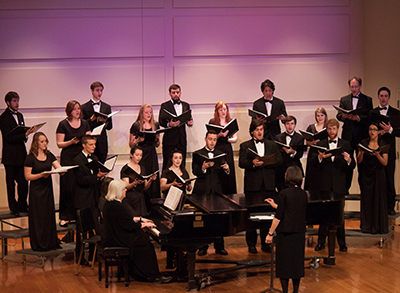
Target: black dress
x=149 y=159
x=171 y=177
x=228 y=181
x=290 y=240
x=42 y=220
x=135 y=197
x=119 y=229
x=67 y=181
x=311 y=181
x=374 y=213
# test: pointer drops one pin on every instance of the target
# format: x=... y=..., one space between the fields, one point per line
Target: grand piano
x=206 y=218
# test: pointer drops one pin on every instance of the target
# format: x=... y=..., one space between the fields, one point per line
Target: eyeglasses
x=372 y=129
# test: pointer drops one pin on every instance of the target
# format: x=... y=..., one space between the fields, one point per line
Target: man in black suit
x=332 y=175
x=355 y=127
x=273 y=107
x=89 y=110
x=291 y=156
x=87 y=191
x=209 y=178
x=14 y=153
x=259 y=176
x=174 y=138
x=389 y=135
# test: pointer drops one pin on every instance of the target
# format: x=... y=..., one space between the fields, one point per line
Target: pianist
x=120 y=229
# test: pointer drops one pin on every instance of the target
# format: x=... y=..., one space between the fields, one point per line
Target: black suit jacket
x=332 y=175
x=87 y=111
x=14 y=151
x=297 y=139
x=87 y=189
x=278 y=107
x=254 y=177
x=175 y=135
x=389 y=138
x=210 y=181
x=355 y=130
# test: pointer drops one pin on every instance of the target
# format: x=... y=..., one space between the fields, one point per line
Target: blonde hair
x=115 y=189
x=140 y=118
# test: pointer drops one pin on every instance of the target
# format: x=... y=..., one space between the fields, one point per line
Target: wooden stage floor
x=364 y=268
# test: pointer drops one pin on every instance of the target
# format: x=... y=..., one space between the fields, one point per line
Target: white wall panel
x=53 y=84
x=260 y=35
x=80 y=36
x=240 y=83
x=256 y=3
x=74 y=4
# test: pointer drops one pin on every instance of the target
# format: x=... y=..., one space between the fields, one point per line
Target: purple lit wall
x=51 y=51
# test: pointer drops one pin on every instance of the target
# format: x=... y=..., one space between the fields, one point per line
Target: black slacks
x=16 y=174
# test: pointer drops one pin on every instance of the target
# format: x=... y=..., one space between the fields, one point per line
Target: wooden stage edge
x=364 y=268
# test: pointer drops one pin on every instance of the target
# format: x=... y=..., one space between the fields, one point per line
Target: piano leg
x=330 y=260
x=191 y=262
x=181 y=264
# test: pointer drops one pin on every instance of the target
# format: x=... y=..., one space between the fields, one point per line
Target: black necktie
x=268 y=101
x=14 y=113
x=384 y=108
x=332 y=141
x=258 y=141
x=355 y=97
x=97 y=103
x=178 y=102
x=290 y=135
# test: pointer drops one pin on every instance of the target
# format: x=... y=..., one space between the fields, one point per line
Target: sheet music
x=173 y=198
x=262 y=217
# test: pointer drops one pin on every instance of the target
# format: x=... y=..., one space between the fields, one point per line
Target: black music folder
x=134 y=175
x=334 y=152
x=357 y=111
x=384 y=148
x=218 y=160
x=180 y=179
x=232 y=128
x=314 y=136
x=108 y=165
x=268 y=160
x=183 y=118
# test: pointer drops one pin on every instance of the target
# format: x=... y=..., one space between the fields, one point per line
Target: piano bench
x=113 y=256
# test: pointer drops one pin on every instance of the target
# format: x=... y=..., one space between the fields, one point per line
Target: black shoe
x=24 y=211
x=202 y=252
x=221 y=251
x=343 y=248
x=162 y=280
x=266 y=248
x=14 y=213
x=319 y=247
x=392 y=212
x=252 y=249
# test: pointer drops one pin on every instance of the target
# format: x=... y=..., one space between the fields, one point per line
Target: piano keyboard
x=154 y=231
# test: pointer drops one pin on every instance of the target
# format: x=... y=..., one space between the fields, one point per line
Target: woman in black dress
x=168 y=179
x=321 y=118
x=224 y=144
x=374 y=212
x=135 y=197
x=121 y=229
x=42 y=220
x=68 y=134
x=148 y=142
x=290 y=224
